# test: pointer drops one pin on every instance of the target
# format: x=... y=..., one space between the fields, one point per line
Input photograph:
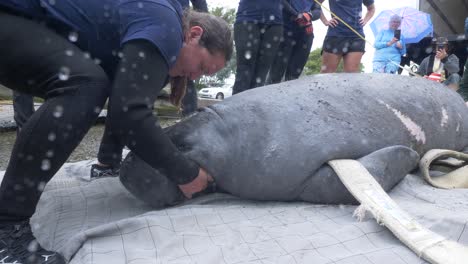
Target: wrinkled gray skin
x=273 y=142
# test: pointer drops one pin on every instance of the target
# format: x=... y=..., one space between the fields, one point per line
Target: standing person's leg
x=23 y=107
x=330 y=62
x=278 y=68
x=247 y=38
x=378 y=66
x=269 y=44
x=331 y=54
x=299 y=56
x=392 y=67
x=190 y=101
x=351 y=61
x=353 y=56
x=74 y=89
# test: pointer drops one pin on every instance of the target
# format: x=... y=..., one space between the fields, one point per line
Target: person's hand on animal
x=197 y=185
x=441 y=54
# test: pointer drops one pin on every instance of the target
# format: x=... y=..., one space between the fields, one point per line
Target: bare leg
x=352 y=61
x=330 y=62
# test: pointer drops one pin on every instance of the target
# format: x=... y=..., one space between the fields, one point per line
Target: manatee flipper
x=388 y=166
x=147 y=184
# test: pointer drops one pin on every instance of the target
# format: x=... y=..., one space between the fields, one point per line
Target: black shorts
x=343 y=45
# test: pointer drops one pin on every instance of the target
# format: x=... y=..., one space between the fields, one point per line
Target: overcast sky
x=320 y=30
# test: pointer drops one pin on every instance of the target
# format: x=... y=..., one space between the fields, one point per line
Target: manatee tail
x=388 y=166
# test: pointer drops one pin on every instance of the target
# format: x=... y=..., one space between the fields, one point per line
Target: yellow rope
x=362 y=37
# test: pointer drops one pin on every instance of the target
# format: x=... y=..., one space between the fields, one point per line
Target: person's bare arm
x=369 y=14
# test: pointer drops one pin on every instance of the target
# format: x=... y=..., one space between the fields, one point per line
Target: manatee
x=273 y=142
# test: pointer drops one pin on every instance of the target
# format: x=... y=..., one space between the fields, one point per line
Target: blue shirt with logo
x=349 y=11
x=260 y=11
x=101 y=27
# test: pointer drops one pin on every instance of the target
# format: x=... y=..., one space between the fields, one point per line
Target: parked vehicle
x=216 y=92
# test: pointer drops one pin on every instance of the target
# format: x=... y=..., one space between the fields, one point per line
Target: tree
x=228 y=14
x=314 y=63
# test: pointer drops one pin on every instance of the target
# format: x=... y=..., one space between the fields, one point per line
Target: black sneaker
x=99 y=171
x=18 y=245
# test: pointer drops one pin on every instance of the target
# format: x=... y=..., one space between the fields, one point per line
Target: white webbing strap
x=425 y=243
x=457 y=178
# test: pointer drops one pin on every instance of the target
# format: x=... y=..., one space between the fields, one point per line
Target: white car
x=216 y=92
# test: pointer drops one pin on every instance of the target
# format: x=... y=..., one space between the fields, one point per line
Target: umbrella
x=415 y=25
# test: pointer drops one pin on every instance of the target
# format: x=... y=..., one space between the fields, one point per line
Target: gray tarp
x=100 y=222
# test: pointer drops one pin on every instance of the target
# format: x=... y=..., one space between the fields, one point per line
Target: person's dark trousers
x=23 y=107
x=190 y=101
x=34 y=61
x=111 y=147
x=292 y=56
x=256 y=47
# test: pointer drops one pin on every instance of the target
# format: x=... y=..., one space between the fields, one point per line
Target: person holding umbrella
x=389 y=48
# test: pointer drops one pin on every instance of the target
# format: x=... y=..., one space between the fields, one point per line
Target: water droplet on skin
x=69 y=52
x=141 y=54
x=258 y=80
x=58 y=111
x=73 y=36
x=97 y=61
x=268 y=45
x=145 y=76
x=272 y=17
x=64 y=73
x=45 y=165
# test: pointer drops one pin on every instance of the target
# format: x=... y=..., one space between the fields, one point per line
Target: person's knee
x=454 y=78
